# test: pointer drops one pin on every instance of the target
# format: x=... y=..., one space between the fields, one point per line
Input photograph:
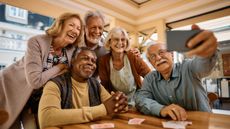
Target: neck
x=57 y=44
x=118 y=56
x=90 y=45
x=166 y=73
x=79 y=79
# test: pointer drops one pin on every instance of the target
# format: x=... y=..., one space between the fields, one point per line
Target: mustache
x=160 y=61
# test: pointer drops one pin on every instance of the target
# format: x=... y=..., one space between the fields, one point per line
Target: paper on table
x=102 y=126
x=176 y=124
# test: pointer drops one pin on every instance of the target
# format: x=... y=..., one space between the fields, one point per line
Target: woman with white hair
x=120 y=70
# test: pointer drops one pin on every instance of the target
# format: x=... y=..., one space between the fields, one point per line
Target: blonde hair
x=116 y=30
x=57 y=25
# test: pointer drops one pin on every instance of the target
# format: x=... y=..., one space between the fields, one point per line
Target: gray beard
x=94 y=41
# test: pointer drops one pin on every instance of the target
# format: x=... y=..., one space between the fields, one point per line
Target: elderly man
x=76 y=97
x=94 y=27
x=174 y=88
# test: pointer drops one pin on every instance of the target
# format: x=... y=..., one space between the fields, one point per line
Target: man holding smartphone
x=174 y=88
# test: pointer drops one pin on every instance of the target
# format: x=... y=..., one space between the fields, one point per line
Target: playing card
x=136 y=121
x=176 y=124
x=102 y=126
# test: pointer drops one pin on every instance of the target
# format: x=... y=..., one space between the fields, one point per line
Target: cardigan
x=138 y=66
x=19 y=79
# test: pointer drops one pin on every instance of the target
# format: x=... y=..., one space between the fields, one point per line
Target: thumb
x=195 y=27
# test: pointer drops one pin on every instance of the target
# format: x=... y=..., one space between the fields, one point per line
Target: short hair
x=114 y=31
x=90 y=14
x=57 y=25
x=150 y=44
x=80 y=49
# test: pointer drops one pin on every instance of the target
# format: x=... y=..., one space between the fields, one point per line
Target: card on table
x=136 y=121
x=177 y=40
x=176 y=124
x=102 y=126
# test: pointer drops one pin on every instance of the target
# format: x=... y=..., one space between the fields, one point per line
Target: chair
x=3 y=116
x=212 y=98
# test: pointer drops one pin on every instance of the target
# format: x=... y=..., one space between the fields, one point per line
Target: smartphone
x=177 y=40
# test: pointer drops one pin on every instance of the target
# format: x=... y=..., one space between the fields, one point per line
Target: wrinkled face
x=160 y=58
x=70 y=31
x=94 y=29
x=84 y=64
x=118 y=42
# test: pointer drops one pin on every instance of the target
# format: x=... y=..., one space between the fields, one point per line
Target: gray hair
x=152 y=43
x=114 y=31
x=90 y=14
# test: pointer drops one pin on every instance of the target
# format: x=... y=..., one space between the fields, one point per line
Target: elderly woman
x=121 y=70
x=46 y=57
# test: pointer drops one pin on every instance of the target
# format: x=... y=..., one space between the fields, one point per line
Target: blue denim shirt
x=184 y=87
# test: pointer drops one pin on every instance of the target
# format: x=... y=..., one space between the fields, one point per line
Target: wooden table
x=200 y=120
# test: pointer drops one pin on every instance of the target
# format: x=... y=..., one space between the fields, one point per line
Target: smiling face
x=118 y=42
x=70 y=31
x=94 y=29
x=83 y=65
x=160 y=58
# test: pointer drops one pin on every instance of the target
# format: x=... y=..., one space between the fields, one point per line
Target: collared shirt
x=184 y=87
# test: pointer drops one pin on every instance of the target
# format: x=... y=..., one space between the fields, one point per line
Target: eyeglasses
x=160 y=53
x=116 y=40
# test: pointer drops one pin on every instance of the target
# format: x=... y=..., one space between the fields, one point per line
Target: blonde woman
x=46 y=57
x=121 y=70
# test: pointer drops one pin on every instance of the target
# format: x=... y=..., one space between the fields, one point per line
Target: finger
x=112 y=92
x=122 y=101
x=195 y=27
x=206 y=47
x=122 y=107
x=118 y=95
x=172 y=115
x=183 y=115
x=177 y=113
x=199 y=38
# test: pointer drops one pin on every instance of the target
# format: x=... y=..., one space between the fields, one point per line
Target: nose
x=98 y=30
x=158 y=57
x=76 y=30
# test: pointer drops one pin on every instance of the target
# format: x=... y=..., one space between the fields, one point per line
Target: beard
x=91 y=39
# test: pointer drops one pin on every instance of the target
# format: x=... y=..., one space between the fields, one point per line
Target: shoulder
x=41 y=40
x=105 y=57
x=151 y=76
x=51 y=86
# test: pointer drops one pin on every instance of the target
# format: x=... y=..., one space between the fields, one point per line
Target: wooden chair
x=3 y=116
x=212 y=98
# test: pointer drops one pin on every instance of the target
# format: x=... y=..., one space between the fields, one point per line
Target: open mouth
x=72 y=36
x=161 y=62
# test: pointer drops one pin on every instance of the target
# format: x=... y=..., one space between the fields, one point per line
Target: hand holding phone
x=177 y=40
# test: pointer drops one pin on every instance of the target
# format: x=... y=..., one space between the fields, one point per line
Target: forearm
x=51 y=116
x=148 y=106
x=203 y=66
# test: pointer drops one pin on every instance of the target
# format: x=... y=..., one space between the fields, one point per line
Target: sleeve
x=141 y=67
x=34 y=65
x=51 y=114
x=103 y=73
x=202 y=67
x=104 y=94
x=145 y=101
